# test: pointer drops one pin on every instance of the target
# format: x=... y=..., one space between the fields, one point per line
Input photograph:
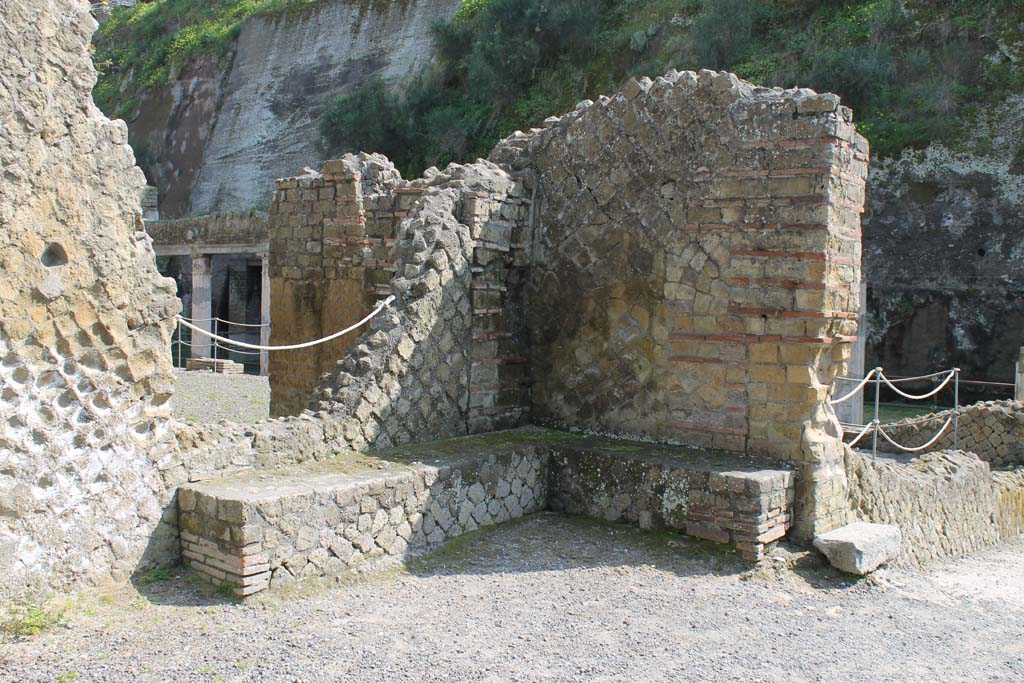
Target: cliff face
x=216 y=138
x=944 y=257
x=283 y=70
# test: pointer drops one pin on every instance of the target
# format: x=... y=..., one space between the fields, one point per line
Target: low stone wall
x=992 y=430
x=324 y=520
x=946 y=504
x=715 y=497
x=258 y=530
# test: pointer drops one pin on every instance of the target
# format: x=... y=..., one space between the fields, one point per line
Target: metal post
x=874 y=434
x=179 y=345
x=1018 y=393
x=956 y=408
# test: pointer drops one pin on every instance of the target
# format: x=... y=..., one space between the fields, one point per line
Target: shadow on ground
x=543 y=542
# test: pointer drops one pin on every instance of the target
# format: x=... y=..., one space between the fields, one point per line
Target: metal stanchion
x=878 y=393
x=956 y=408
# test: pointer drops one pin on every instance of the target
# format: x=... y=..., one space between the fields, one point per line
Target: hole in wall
x=981 y=252
x=54 y=256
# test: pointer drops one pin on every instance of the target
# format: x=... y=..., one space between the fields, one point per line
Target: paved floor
x=205 y=397
x=552 y=598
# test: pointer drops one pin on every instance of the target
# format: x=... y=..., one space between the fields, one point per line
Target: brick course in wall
x=696 y=270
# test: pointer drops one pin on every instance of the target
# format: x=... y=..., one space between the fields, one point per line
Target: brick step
x=261 y=529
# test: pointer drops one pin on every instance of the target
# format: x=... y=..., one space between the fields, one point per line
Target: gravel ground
x=205 y=397
x=552 y=598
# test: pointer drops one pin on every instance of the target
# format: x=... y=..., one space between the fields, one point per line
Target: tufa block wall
x=331 y=235
x=946 y=504
x=696 y=269
x=992 y=430
x=85 y=320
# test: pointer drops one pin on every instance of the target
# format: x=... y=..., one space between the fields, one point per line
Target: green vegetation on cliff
x=914 y=71
x=147 y=46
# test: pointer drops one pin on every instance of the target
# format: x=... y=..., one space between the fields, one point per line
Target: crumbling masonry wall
x=992 y=430
x=445 y=360
x=85 y=319
x=695 y=270
x=946 y=503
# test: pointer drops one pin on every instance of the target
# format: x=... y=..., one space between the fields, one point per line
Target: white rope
x=380 y=307
x=916 y=379
x=922 y=446
x=856 y=390
x=216 y=345
x=912 y=397
x=228 y=322
x=860 y=436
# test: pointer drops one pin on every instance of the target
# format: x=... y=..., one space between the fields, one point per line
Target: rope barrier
x=917 y=449
x=860 y=436
x=291 y=347
x=217 y=346
x=228 y=322
x=920 y=377
x=912 y=397
x=856 y=390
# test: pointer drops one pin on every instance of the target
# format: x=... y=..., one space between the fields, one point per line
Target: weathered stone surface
x=362 y=512
x=992 y=430
x=860 y=548
x=943 y=236
x=85 y=320
x=696 y=269
x=214 y=230
x=946 y=504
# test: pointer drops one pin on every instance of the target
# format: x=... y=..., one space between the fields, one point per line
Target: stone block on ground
x=861 y=547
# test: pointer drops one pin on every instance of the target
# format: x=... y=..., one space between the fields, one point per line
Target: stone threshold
x=269 y=528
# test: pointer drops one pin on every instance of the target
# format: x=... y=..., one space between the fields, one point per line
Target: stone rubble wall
x=946 y=504
x=695 y=270
x=444 y=360
x=716 y=501
x=85 y=322
x=336 y=238
x=992 y=430
x=255 y=531
x=213 y=230
x=335 y=523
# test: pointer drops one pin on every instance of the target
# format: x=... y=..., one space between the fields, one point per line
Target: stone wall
x=346 y=239
x=712 y=496
x=85 y=320
x=696 y=269
x=261 y=530
x=332 y=521
x=946 y=504
x=219 y=230
x=992 y=430
x=329 y=258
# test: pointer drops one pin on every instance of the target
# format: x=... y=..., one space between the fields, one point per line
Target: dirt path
x=551 y=598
